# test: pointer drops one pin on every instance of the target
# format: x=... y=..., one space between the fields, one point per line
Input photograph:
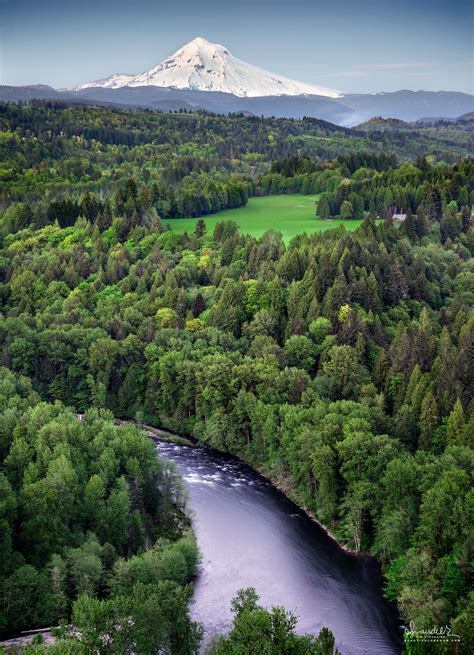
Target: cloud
x=418 y=74
x=395 y=66
x=352 y=73
x=363 y=70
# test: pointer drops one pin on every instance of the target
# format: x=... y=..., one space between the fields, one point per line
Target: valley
x=169 y=269
x=236 y=327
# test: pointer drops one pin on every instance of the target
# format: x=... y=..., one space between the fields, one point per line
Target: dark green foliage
x=149 y=619
x=81 y=501
x=195 y=164
x=420 y=193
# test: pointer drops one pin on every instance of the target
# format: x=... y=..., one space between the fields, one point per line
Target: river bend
x=251 y=535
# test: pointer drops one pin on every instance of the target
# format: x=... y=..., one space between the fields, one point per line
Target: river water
x=251 y=535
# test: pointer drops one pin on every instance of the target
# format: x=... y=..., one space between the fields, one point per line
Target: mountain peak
x=201 y=47
x=201 y=41
x=204 y=66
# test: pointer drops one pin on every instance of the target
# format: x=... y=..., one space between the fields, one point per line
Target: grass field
x=290 y=215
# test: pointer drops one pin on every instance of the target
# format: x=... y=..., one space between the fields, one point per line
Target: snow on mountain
x=204 y=66
x=114 y=81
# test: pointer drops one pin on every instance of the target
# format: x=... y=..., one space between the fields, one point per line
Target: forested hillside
x=340 y=365
x=89 y=512
x=49 y=147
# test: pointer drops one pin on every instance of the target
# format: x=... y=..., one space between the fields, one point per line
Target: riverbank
x=16 y=645
x=162 y=433
x=283 y=483
x=251 y=534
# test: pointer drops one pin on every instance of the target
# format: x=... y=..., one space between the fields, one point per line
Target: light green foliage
x=270 y=632
x=166 y=317
x=165 y=561
x=347 y=210
x=149 y=619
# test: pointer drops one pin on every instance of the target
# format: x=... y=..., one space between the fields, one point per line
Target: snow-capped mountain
x=204 y=66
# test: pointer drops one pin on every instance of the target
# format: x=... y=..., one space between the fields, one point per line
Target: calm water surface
x=251 y=535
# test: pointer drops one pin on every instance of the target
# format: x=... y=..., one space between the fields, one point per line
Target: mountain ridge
x=349 y=111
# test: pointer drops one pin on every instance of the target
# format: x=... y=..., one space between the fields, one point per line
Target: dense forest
x=193 y=164
x=89 y=512
x=341 y=365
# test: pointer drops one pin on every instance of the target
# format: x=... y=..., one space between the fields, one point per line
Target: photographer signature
x=436 y=633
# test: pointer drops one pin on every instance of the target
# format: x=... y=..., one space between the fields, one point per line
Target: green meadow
x=290 y=215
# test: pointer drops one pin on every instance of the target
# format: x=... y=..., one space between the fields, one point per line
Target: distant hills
x=206 y=76
x=379 y=124
x=349 y=110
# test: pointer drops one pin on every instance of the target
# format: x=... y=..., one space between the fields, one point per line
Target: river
x=251 y=535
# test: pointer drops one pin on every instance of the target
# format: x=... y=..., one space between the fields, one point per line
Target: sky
x=356 y=46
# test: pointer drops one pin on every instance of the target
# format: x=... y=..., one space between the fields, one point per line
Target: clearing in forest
x=290 y=215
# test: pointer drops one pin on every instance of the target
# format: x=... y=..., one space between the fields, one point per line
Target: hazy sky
x=351 y=45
